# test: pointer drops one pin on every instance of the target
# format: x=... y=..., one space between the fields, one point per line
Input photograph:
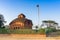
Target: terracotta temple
x=21 y=22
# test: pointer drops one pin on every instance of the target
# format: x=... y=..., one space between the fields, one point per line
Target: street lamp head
x=37 y=5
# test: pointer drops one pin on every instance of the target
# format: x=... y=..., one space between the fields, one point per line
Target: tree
x=1 y=24
x=36 y=28
x=49 y=23
x=2 y=21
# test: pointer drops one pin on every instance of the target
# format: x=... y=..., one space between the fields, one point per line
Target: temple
x=21 y=22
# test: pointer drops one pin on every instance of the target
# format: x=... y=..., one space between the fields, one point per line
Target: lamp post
x=38 y=13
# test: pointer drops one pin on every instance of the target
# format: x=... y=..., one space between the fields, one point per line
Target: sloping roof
x=21 y=20
x=17 y=19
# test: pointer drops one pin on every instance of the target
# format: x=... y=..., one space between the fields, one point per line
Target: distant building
x=21 y=22
x=58 y=28
x=49 y=23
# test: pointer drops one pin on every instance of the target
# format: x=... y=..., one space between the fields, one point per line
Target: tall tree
x=49 y=23
x=1 y=20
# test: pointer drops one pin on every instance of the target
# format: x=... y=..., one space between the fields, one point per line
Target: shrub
x=49 y=30
x=41 y=31
x=21 y=31
x=4 y=31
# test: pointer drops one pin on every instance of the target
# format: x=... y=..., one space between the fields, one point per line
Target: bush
x=21 y=31
x=28 y=31
x=4 y=31
x=41 y=31
x=49 y=30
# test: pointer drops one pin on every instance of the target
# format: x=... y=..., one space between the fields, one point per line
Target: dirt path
x=27 y=37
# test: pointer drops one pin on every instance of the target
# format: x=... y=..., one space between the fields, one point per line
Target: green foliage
x=4 y=31
x=1 y=23
x=21 y=31
x=49 y=30
x=41 y=31
x=54 y=30
x=26 y=31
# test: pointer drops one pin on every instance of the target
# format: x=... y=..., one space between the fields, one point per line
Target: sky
x=49 y=10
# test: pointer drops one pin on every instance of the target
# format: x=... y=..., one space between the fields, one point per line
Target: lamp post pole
x=38 y=14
